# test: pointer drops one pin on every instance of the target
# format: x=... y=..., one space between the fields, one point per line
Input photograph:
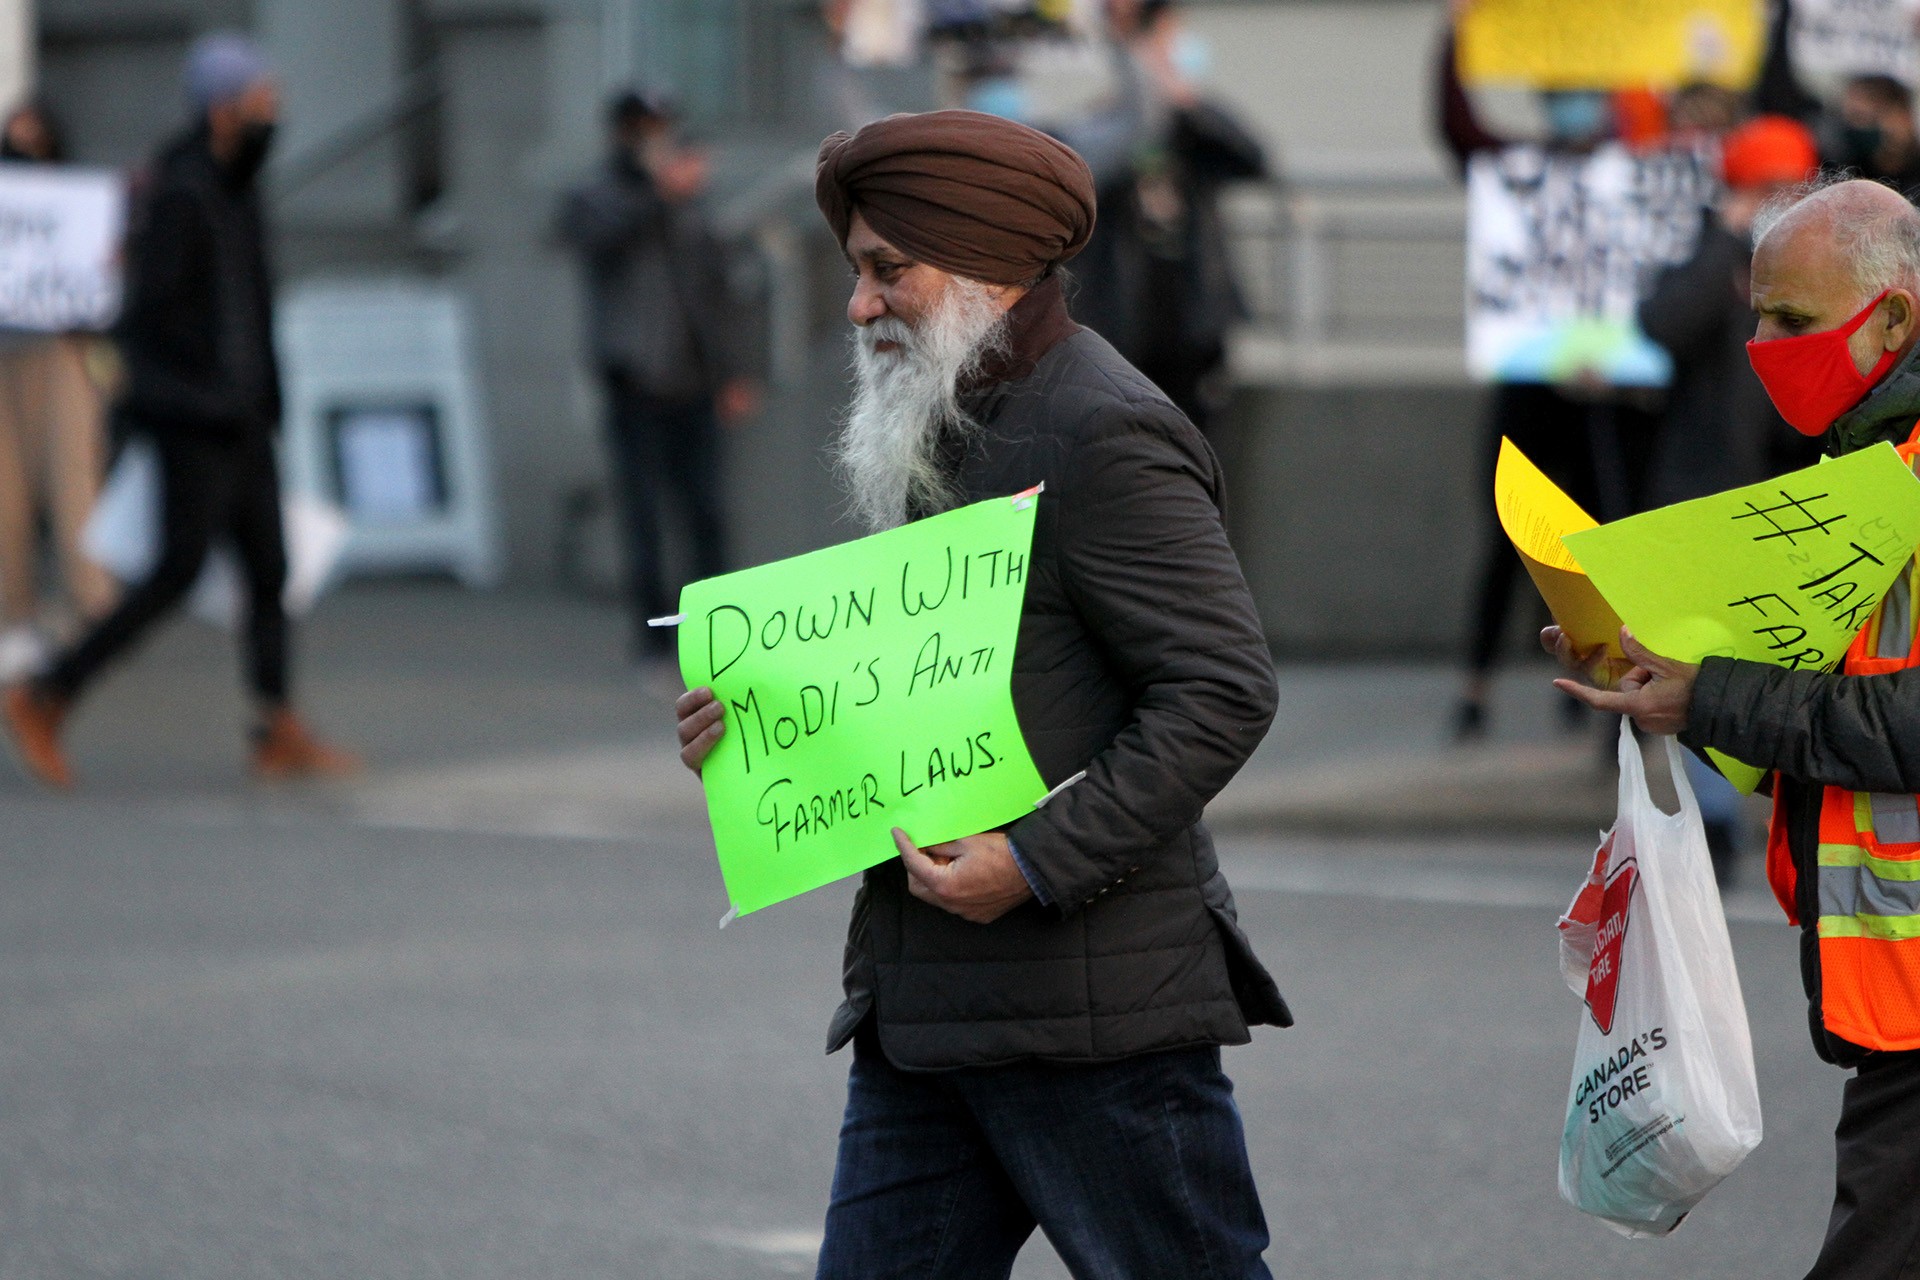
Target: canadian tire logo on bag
x=1603 y=975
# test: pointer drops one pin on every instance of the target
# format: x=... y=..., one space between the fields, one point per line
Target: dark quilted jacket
x=1141 y=661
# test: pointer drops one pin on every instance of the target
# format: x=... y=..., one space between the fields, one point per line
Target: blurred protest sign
x=866 y=688
x=1784 y=572
x=1560 y=250
x=60 y=230
x=1612 y=44
x=1536 y=515
x=1831 y=41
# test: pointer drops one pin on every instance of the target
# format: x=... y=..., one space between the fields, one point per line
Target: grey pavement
x=470 y=1016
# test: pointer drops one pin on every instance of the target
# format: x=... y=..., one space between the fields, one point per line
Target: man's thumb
x=1643 y=656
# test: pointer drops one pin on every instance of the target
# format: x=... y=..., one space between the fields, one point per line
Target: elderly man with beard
x=1836 y=284
x=1037 y=1012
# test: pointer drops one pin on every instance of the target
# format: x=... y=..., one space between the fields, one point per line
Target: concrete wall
x=1358 y=514
x=1335 y=87
x=499 y=207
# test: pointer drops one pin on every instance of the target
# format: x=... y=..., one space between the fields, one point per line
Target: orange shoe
x=285 y=748
x=33 y=721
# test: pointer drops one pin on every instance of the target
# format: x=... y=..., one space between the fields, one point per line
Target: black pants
x=663 y=450
x=209 y=489
x=1597 y=454
x=1874 y=1233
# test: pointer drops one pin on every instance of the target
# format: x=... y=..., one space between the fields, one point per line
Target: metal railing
x=1349 y=283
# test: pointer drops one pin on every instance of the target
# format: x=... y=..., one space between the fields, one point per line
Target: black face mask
x=250 y=151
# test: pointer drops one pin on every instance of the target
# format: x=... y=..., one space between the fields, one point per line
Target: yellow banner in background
x=1611 y=44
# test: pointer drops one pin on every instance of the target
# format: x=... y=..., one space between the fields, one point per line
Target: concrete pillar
x=16 y=51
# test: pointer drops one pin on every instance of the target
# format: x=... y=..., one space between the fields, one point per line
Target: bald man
x=1836 y=283
x=1037 y=1012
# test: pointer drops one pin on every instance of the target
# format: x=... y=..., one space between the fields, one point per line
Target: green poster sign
x=1786 y=571
x=866 y=688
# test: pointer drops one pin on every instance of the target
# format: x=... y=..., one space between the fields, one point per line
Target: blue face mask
x=1191 y=56
x=1576 y=116
x=1001 y=96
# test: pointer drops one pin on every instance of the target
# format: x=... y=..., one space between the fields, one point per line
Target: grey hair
x=1882 y=248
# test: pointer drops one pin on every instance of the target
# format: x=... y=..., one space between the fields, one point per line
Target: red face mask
x=1812 y=379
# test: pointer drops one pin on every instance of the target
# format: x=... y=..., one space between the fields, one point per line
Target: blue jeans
x=1134 y=1169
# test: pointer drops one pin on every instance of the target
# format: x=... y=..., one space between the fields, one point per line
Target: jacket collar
x=1034 y=324
x=1888 y=412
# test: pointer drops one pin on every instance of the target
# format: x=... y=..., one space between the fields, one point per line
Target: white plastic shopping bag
x=1663 y=1102
x=122 y=536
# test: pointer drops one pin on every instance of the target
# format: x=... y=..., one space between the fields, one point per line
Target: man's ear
x=1008 y=294
x=1901 y=319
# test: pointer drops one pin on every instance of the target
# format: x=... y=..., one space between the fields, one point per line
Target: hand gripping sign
x=1784 y=572
x=867 y=687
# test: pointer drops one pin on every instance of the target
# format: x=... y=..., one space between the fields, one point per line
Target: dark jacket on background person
x=1719 y=430
x=196 y=330
x=1166 y=294
x=1819 y=729
x=660 y=316
x=1778 y=92
x=1141 y=661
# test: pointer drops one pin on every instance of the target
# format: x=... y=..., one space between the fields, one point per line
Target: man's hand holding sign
x=1657 y=692
x=1784 y=572
x=974 y=877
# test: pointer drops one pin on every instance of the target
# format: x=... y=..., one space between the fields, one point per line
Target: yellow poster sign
x=1611 y=44
x=1783 y=572
x=1535 y=515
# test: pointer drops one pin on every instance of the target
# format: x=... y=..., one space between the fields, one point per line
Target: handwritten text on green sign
x=866 y=687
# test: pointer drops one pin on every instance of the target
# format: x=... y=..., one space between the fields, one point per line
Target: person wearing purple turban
x=1037 y=1011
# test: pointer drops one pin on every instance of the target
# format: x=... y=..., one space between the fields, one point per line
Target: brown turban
x=972 y=194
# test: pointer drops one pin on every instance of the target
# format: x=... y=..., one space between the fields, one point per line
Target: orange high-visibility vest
x=1869 y=874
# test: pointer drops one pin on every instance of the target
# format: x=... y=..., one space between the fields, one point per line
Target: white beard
x=906 y=401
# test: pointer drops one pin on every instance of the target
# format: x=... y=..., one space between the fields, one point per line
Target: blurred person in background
x=1871 y=131
x=203 y=383
x=1589 y=440
x=1702 y=112
x=52 y=452
x=1156 y=281
x=1719 y=430
x=665 y=339
x=870 y=61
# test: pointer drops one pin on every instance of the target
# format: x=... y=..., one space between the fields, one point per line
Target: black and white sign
x=1832 y=40
x=1560 y=250
x=60 y=233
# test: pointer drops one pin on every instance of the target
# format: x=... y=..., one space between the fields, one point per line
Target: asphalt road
x=243 y=1035
x=292 y=1047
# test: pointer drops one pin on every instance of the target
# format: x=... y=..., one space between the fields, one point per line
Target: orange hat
x=1640 y=118
x=1767 y=150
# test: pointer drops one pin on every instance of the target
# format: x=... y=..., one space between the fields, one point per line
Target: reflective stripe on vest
x=1868 y=890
